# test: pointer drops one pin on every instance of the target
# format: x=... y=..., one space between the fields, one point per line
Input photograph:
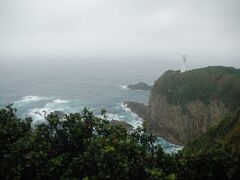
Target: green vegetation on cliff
x=206 y=84
x=183 y=106
x=83 y=146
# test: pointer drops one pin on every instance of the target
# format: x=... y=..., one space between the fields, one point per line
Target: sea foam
x=123 y=86
x=30 y=99
x=167 y=146
x=135 y=120
x=60 y=101
x=39 y=114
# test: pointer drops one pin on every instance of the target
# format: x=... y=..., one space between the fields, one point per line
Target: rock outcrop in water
x=140 y=86
x=182 y=106
x=138 y=108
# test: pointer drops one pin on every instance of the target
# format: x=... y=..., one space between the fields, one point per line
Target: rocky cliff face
x=227 y=131
x=182 y=106
x=178 y=124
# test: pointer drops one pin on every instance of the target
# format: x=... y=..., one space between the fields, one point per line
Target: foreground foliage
x=83 y=146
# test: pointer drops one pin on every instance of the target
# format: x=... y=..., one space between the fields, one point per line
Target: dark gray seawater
x=42 y=86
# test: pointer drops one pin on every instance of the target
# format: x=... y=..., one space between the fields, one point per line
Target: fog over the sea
x=208 y=31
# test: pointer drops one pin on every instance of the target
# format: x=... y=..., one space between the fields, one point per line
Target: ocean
x=39 y=87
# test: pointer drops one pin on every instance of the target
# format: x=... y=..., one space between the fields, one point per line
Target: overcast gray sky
x=119 y=28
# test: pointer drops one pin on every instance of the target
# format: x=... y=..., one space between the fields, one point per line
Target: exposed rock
x=182 y=106
x=227 y=132
x=139 y=108
x=180 y=125
x=128 y=126
x=140 y=86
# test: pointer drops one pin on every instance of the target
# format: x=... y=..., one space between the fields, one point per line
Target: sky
x=144 y=29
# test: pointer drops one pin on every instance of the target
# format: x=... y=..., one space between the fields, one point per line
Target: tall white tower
x=184 y=59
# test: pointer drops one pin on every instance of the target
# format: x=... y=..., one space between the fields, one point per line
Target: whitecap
x=132 y=117
x=39 y=114
x=60 y=101
x=124 y=107
x=30 y=99
x=57 y=103
x=111 y=116
x=123 y=86
x=138 y=90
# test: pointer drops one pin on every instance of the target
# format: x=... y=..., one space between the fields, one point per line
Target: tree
x=83 y=146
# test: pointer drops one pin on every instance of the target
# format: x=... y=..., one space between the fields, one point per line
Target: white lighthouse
x=184 y=59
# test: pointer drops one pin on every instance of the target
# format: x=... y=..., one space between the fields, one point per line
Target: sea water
x=39 y=87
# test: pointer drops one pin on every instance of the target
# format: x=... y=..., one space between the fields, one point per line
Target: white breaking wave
x=135 y=120
x=60 y=101
x=30 y=99
x=123 y=86
x=39 y=114
x=56 y=103
x=111 y=116
x=140 y=90
x=125 y=108
x=128 y=116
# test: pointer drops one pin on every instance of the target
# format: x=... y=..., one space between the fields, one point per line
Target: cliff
x=227 y=133
x=183 y=106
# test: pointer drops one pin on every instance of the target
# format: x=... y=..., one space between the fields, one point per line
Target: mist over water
x=92 y=83
x=69 y=85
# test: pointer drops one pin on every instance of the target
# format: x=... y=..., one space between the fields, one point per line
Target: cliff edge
x=183 y=106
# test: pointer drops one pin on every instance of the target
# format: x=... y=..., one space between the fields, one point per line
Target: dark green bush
x=83 y=146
